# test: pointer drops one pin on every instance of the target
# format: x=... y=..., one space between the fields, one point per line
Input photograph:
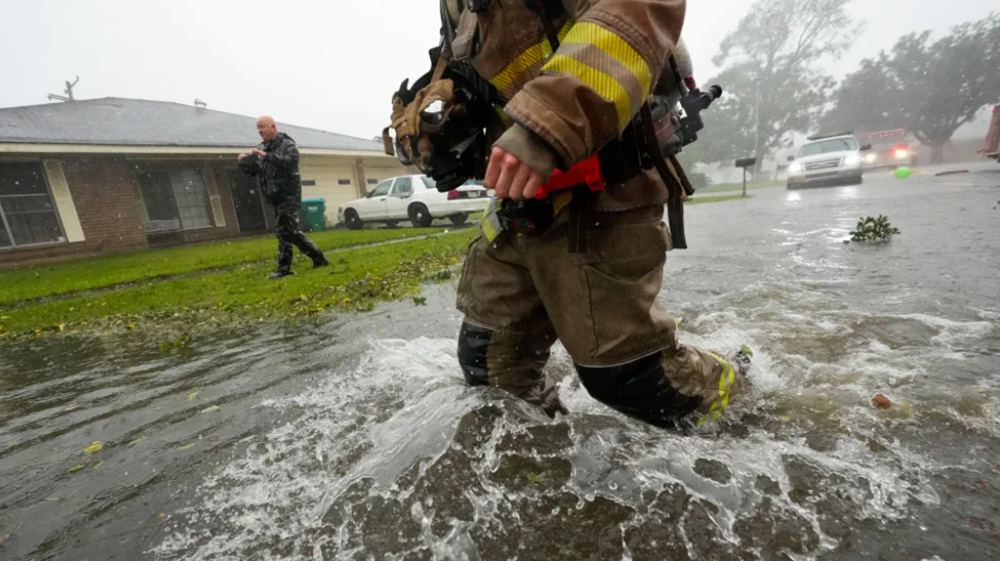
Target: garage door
x=330 y=178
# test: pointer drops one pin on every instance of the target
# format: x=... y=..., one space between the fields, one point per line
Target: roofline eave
x=53 y=148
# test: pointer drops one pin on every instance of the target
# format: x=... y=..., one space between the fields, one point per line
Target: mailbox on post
x=745 y=163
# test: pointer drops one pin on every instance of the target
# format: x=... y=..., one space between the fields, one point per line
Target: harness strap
x=675 y=203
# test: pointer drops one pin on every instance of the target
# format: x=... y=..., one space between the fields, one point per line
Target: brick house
x=110 y=175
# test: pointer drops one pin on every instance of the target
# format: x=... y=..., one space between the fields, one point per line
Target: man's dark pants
x=286 y=216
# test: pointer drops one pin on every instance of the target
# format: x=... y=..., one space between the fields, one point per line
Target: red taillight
x=454 y=194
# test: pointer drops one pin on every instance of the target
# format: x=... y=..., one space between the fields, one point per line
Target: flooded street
x=360 y=440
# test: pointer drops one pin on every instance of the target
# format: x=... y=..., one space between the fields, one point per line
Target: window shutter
x=63 y=200
x=214 y=197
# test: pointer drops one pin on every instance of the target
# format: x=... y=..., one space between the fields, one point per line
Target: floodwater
x=359 y=439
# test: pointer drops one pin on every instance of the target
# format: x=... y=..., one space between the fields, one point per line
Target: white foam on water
x=399 y=407
x=371 y=422
x=953 y=331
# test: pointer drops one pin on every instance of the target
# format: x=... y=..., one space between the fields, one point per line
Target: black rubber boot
x=280 y=275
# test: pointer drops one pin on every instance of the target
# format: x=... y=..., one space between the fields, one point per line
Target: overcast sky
x=331 y=65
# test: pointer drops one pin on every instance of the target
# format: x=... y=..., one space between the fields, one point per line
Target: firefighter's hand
x=259 y=152
x=510 y=177
x=240 y=158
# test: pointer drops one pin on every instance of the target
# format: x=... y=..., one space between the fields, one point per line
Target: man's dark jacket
x=278 y=171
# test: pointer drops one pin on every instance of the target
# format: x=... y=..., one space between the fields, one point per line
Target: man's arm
x=285 y=156
x=588 y=91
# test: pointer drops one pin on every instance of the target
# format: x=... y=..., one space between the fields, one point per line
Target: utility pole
x=68 y=91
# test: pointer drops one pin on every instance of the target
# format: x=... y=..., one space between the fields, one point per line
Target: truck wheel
x=420 y=217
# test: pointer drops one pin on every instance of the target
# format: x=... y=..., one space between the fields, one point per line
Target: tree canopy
x=930 y=87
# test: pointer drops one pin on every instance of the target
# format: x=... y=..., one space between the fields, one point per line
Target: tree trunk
x=760 y=160
x=937 y=154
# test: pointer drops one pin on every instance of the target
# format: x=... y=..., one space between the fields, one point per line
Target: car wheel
x=420 y=217
x=459 y=219
x=352 y=219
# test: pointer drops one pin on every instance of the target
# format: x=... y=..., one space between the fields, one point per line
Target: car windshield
x=826 y=146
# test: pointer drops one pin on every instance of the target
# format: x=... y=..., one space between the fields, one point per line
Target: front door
x=373 y=207
x=248 y=202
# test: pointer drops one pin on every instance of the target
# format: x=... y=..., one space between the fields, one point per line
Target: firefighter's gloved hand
x=510 y=177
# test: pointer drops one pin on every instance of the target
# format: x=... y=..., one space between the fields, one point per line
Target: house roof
x=115 y=121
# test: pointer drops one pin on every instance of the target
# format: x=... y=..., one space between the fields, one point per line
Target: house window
x=373 y=181
x=27 y=214
x=308 y=182
x=176 y=199
x=343 y=181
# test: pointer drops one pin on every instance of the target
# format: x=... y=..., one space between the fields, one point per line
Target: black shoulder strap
x=447 y=29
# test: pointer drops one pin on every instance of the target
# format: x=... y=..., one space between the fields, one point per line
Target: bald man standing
x=276 y=162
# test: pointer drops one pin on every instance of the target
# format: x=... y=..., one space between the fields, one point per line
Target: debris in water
x=76 y=468
x=881 y=401
x=951 y=172
x=211 y=409
x=187 y=446
x=420 y=301
x=192 y=396
x=95 y=447
x=535 y=478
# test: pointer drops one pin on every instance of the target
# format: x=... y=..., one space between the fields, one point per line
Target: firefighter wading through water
x=276 y=161
x=569 y=79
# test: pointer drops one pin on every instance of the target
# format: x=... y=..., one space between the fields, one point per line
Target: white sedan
x=414 y=198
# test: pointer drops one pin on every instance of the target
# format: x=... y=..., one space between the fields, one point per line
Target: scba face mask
x=438 y=126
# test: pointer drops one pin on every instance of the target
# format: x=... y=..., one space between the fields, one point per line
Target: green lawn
x=354 y=281
x=32 y=282
x=728 y=187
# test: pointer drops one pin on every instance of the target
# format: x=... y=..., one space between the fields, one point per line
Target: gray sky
x=331 y=65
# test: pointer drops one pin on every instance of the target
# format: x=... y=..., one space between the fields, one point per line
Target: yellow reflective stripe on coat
x=608 y=65
x=606 y=86
x=516 y=73
x=726 y=381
